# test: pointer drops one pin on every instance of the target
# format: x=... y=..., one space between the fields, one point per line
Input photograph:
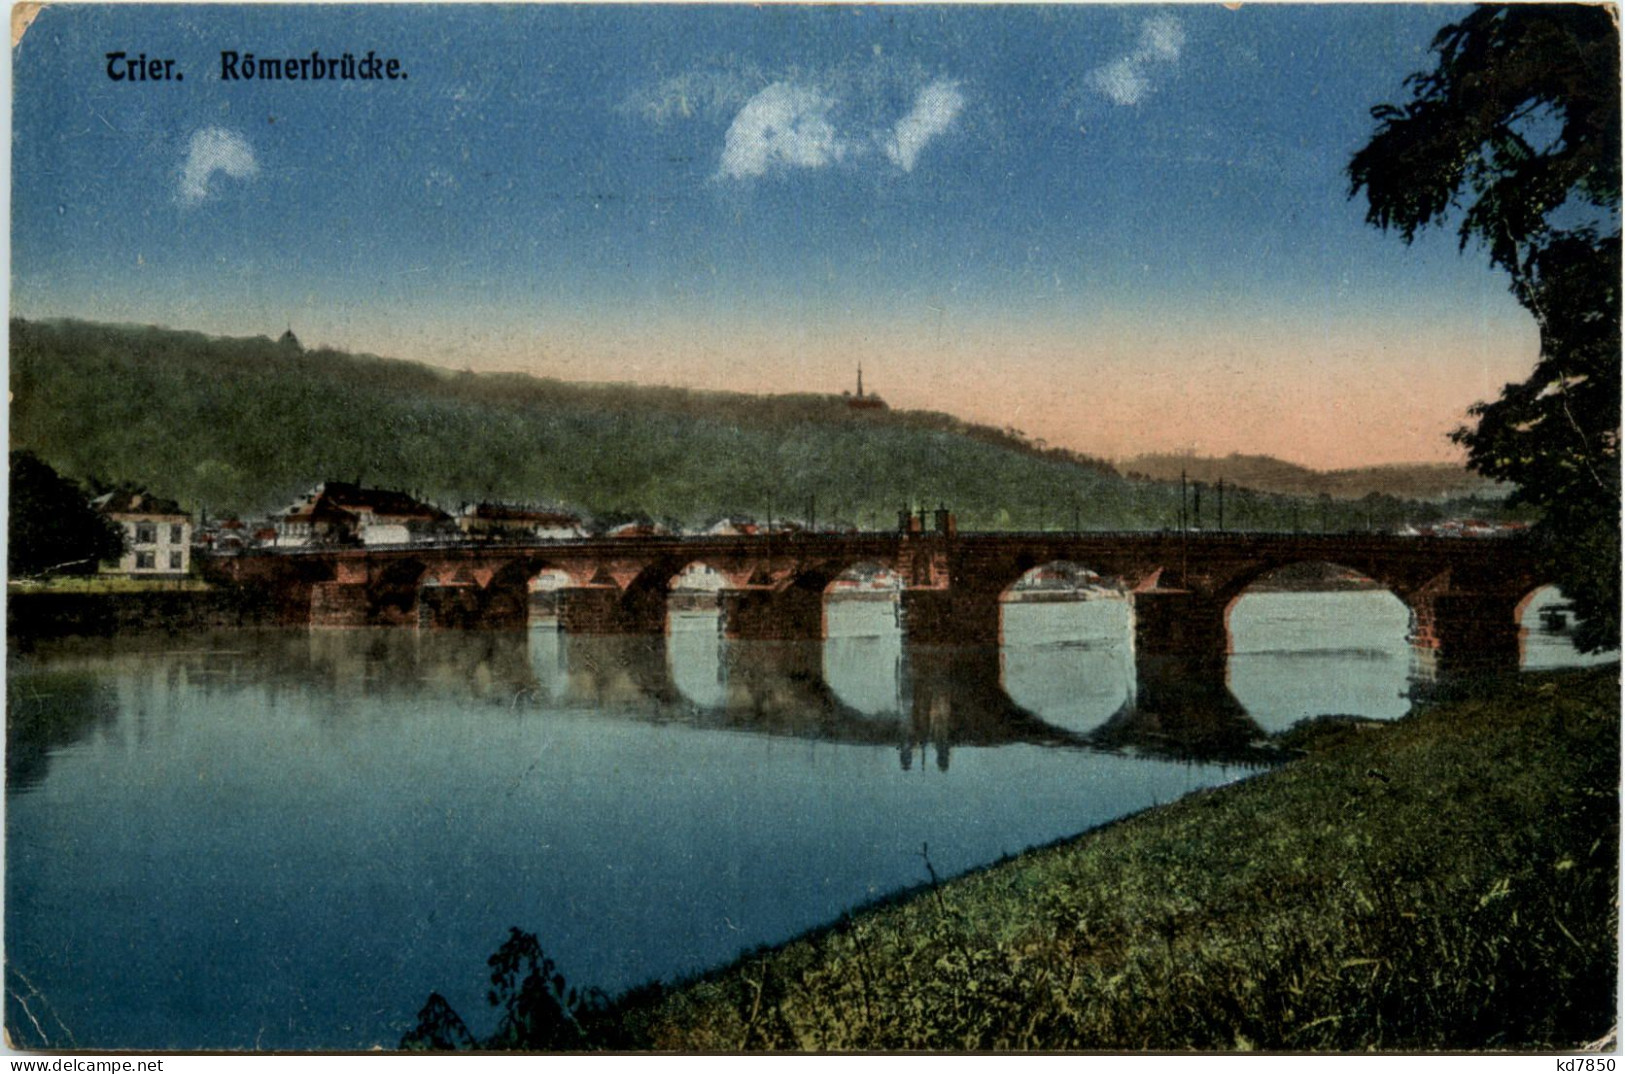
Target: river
x=288 y=839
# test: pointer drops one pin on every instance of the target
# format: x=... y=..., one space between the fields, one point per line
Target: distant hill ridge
x=1418 y=481
x=242 y=426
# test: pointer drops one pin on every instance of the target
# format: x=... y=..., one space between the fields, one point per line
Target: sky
x=1120 y=229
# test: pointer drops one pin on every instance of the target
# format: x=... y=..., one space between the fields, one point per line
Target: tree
x=53 y=528
x=1515 y=134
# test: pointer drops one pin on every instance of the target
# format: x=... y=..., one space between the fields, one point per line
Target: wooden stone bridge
x=1465 y=595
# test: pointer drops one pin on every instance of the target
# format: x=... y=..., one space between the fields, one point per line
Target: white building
x=338 y=512
x=157 y=534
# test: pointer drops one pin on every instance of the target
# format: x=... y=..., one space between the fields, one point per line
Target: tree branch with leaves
x=1515 y=136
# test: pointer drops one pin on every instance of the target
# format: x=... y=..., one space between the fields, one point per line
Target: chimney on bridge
x=947 y=525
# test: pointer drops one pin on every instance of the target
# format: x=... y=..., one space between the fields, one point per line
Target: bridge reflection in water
x=874 y=689
x=866 y=689
x=1067 y=676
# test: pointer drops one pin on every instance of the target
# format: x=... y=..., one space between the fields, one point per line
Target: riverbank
x=102 y=607
x=1445 y=882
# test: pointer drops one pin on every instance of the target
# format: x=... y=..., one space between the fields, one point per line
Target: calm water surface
x=267 y=839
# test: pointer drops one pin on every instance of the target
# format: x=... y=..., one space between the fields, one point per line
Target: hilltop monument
x=861 y=401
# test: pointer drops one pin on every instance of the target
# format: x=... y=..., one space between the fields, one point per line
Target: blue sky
x=1122 y=228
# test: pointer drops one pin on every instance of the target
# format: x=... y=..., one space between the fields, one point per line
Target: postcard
x=712 y=528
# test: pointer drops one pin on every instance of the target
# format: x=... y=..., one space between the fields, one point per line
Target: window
x=176 y=533
x=146 y=533
x=174 y=561
x=146 y=561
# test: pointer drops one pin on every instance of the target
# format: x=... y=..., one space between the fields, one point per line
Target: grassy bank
x=108 y=583
x=1444 y=882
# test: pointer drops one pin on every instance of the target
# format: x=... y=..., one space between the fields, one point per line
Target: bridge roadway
x=1464 y=594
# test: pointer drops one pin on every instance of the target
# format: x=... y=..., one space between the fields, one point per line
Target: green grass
x=1445 y=882
x=107 y=583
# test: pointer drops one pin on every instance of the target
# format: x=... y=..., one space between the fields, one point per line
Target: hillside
x=242 y=425
x=1415 y=481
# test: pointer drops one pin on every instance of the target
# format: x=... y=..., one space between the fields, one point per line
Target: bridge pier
x=501 y=606
x=1468 y=633
x=470 y=607
x=1180 y=624
x=603 y=610
x=340 y=604
x=1186 y=704
x=950 y=617
x=791 y=614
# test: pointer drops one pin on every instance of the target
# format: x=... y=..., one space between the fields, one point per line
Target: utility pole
x=1198 y=505
x=1184 y=532
x=1182 y=499
x=1221 y=505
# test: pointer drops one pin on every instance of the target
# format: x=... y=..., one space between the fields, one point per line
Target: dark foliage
x=539 y=1011
x=439 y=1029
x=1516 y=131
x=53 y=528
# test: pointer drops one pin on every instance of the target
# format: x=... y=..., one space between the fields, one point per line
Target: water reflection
x=863 y=656
x=862 y=685
x=1301 y=654
x=50 y=712
x=289 y=838
x=694 y=649
x=1071 y=664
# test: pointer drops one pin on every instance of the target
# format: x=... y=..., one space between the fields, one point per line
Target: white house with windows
x=157 y=534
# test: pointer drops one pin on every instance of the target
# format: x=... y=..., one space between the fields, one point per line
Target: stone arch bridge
x=1464 y=595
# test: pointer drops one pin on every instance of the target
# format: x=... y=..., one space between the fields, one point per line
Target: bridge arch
x=794 y=605
x=863 y=641
x=523 y=589
x=670 y=589
x=860 y=605
x=1036 y=570
x=393 y=591
x=1314 y=637
x=1067 y=650
x=1546 y=622
x=1315 y=578
x=1064 y=601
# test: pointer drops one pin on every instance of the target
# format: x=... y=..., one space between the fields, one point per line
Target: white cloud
x=1163 y=37
x=935 y=109
x=1122 y=81
x=780 y=128
x=214 y=149
x=1128 y=79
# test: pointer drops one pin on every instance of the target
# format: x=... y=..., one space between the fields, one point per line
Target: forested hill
x=241 y=426
x=1420 y=481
